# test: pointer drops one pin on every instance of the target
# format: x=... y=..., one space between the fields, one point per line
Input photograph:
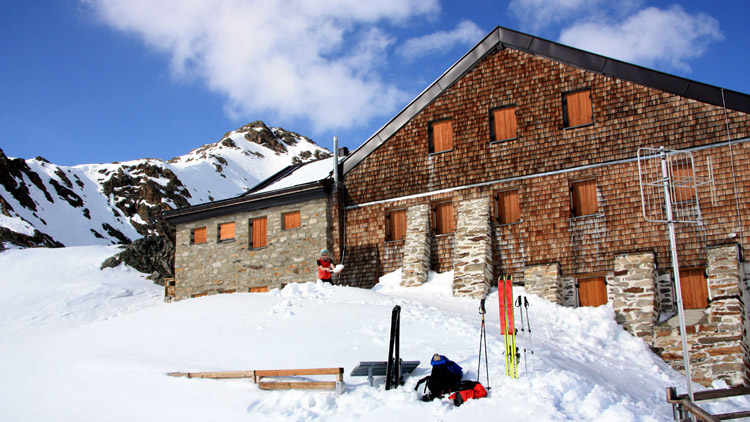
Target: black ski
x=393 y=368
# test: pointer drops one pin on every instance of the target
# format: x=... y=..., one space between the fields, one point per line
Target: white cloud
x=465 y=33
x=292 y=58
x=537 y=15
x=652 y=37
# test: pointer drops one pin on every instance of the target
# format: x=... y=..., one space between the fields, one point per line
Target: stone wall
x=472 y=256
x=233 y=266
x=417 y=246
x=631 y=291
x=544 y=281
x=715 y=339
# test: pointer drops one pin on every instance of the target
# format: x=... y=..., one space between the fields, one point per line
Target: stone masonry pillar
x=544 y=280
x=416 y=264
x=632 y=292
x=472 y=255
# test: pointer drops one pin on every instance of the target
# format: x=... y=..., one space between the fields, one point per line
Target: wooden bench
x=256 y=376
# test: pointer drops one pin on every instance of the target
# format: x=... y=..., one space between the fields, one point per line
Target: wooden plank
x=298 y=372
x=309 y=385
x=733 y=415
x=720 y=393
x=214 y=375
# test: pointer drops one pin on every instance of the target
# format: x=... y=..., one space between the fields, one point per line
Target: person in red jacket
x=325 y=266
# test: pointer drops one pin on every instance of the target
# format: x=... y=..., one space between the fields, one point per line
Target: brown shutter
x=592 y=291
x=504 y=121
x=262 y=289
x=226 y=231
x=199 y=235
x=578 y=107
x=292 y=220
x=507 y=206
x=442 y=136
x=397 y=225
x=444 y=218
x=584 y=198
x=682 y=175
x=259 y=235
x=694 y=289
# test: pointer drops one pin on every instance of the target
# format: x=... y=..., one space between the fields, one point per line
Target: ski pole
x=523 y=334
x=483 y=341
x=528 y=324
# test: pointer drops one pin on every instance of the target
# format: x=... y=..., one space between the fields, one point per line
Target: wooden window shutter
x=694 y=289
x=577 y=108
x=261 y=289
x=592 y=291
x=259 y=235
x=508 y=210
x=584 y=197
x=397 y=225
x=503 y=126
x=226 y=231
x=199 y=235
x=444 y=219
x=292 y=220
x=441 y=136
x=682 y=180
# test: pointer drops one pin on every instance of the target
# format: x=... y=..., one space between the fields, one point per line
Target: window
x=258 y=233
x=441 y=136
x=683 y=181
x=226 y=232
x=261 y=289
x=577 y=108
x=395 y=225
x=445 y=221
x=592 y=291
x=508 y=211
x=694 y=288
x=503 y=124
x=198 y=235
x=290 y=220
x=583 y=197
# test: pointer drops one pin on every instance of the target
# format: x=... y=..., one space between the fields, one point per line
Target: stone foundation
x=472 y=257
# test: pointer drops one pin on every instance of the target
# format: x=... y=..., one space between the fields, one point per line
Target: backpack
x=468 y=390
x=444 y=378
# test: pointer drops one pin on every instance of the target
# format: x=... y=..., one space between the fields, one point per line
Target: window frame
x=566 y=108
x=204 y=229
x=499 y=210
x=251 y=236
x=284 y=221
x=435 y=214
x=431 y=135
x=219 y=232
x=493 y=130
x=574 y=184
x=389 y=225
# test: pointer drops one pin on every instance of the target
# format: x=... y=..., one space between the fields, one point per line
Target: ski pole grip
x=481 y=306
x=525 y=302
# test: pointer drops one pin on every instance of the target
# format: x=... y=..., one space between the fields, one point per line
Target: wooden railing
x=682 y=405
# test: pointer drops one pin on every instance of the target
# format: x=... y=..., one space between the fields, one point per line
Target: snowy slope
x=79 y=344
x=114 y=203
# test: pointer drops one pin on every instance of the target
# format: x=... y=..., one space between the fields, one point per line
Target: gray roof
x=501 y=38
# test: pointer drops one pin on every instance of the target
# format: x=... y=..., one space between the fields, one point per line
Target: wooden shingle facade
x=537 y=143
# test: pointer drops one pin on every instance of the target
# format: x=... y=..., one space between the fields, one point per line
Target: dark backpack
x=445 y=378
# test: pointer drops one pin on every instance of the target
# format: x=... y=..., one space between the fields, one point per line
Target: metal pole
x=335 y=163
x=676 y=269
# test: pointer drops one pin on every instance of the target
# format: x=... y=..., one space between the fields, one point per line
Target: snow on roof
x=307 y=173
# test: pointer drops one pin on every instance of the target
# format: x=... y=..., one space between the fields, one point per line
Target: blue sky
x=94 y=81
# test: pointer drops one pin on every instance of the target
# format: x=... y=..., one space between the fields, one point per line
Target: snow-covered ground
x=80 y=344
